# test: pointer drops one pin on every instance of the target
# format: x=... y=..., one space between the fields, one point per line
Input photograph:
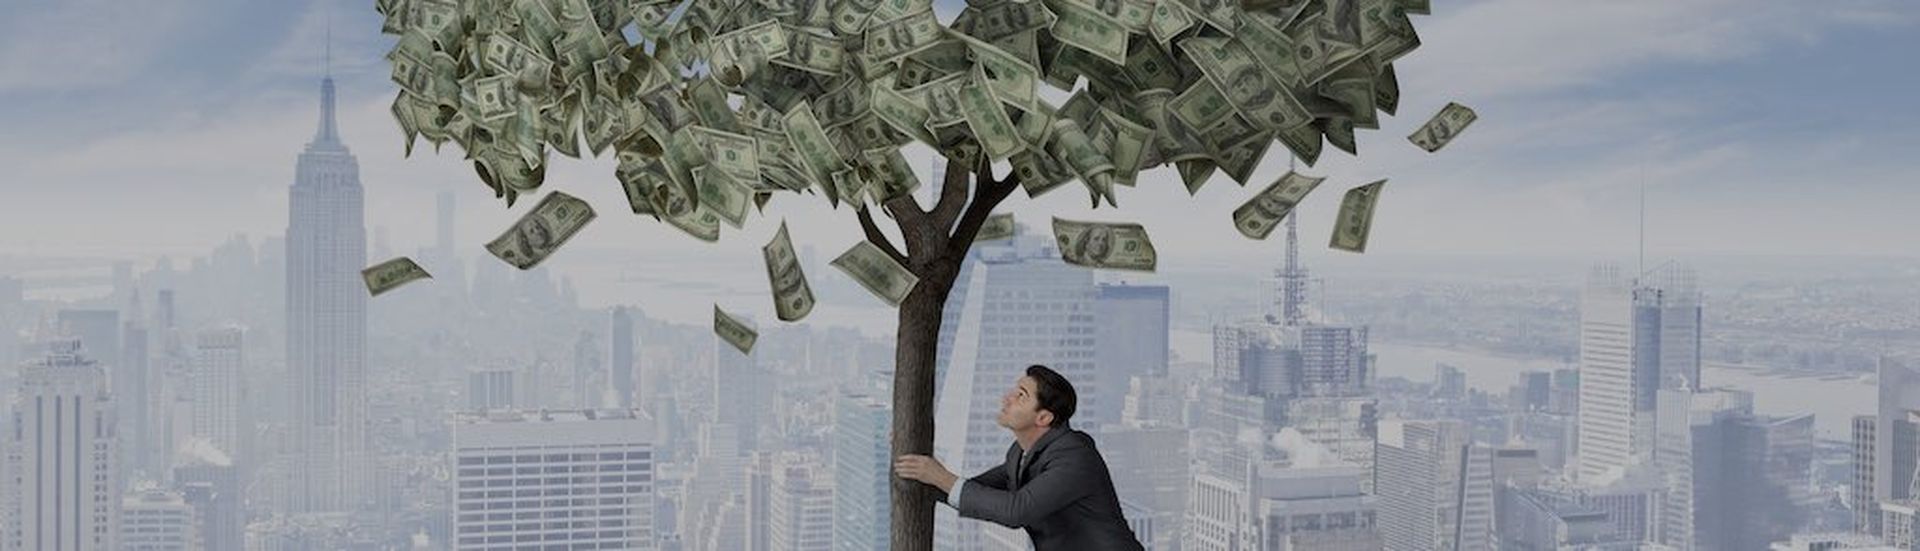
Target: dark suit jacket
x=1065 y=498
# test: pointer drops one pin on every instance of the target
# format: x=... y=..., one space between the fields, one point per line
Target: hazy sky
x=1765 y=126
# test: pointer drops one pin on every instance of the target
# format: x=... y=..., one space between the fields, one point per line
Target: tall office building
x=326 y=311
x=1736 y=480
x=219 y=368
x=158 y=520
x=214 y=490
x=862 y=495
x=1131 y=325
x=1887 y=445
x=1023 y=306
x=1155 y=467
x=585 y=477
x=1635 y=338
x=63 y=492
x=1316 y=507
x=489 y=389
x=800 y=507
x=1435 y=487
x=742 y=394
x=620 y=356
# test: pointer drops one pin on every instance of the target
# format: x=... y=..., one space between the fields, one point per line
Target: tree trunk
x=916 y=343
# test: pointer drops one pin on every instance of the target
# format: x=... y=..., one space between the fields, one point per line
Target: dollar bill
x=1441 y=129
x=385 y=276
x=1258 y=216
x=1356 y=217
x=988 y=119
x=792 y=297
x=1088 y=29
x=1169 y=20
x=998 y=226
x=1109 y=245
x=1246 y=85
x=733 y=331
x=897 y=38
x=878 y=273
x=813 y=50
x=818 y=158
x=542 y=230
x=722 y=194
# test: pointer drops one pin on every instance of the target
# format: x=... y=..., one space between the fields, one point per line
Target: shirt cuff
x=954 y=497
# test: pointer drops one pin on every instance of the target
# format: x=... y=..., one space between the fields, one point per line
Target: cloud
x=1500 y=48
x=82 y=44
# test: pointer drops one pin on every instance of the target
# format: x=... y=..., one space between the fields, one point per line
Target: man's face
x=1020 y=406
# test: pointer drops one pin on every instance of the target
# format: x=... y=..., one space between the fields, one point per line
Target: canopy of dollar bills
x=713 y=105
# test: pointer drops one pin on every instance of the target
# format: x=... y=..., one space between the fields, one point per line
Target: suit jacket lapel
x=1033 y=456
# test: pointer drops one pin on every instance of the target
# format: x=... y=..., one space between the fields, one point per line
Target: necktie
x=1019 y=468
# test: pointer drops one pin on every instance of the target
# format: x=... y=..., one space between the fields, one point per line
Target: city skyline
x=1505 y=369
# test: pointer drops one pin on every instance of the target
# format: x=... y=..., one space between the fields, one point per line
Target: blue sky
x=1755 y=126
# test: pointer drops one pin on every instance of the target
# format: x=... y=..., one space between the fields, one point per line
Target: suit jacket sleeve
x=1066 y=474
x=994 y=478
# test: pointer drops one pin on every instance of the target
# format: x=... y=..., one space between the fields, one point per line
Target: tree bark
x=934 y=256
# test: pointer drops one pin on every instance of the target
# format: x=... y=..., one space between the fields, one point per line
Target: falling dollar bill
x=1114 y=246
x=1356 y=217
x=385 y=276
x=1446 y=124
x=998 y=226
x=792 y=297
x=876 y=271
x=734 y=332
x=542 y=230
x=1258 y=216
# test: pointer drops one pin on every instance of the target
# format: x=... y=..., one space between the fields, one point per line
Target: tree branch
x=991 y=193
x=877 y=238
x=953 y=194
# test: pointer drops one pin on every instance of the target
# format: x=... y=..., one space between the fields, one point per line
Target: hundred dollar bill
x=1356 y=217
x=542 y=230
x=792 y=297
x=734 y=332
x=1446 y=124
x=1088 y=29
x=722 y=195
x=1258 y=216
x=385 y=276
x=998 y=226
x=1114 y=246
x=873 y=269
x=988 y=119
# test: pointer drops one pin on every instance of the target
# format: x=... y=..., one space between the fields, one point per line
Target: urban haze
x=1664 y=294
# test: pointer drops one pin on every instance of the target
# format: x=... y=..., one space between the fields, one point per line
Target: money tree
x=712 y=106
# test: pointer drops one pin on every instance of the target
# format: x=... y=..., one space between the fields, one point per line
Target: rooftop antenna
x=329 y=58
x=1292 y=276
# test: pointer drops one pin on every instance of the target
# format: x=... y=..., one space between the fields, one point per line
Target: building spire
x=328 y=133
x=1292 y=276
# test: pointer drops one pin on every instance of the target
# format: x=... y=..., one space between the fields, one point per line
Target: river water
x=1833 y=400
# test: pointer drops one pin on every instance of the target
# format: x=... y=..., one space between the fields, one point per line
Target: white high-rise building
x=219 y=365
x=1132 y=327
x=158 y=520
x=1435 y=487
x=1634 y=340
x=63 y=454
x=327 y=322
x=1022 y=306
x=800 y=506
x=862 y=496
x=585 y=478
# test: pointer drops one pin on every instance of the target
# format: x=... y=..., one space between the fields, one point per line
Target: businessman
x=1054 y=483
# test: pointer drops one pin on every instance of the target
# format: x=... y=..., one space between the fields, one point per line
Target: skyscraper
x=1887 y=447
x=327 y=320
x=862 y=500
x=801 y=504
x=504 y=474
x=1023 y=306
x=1132 y=331
x=219 y=365
x=1635 y=339
x=620 y=356
x=64 y=450
x=1435 y=487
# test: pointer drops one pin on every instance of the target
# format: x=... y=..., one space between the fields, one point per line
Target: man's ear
x=1044 y=418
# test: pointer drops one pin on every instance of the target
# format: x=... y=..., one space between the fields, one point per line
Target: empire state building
x=327 y=322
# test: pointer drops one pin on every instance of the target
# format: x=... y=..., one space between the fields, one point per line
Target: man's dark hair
x=1053 y=392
